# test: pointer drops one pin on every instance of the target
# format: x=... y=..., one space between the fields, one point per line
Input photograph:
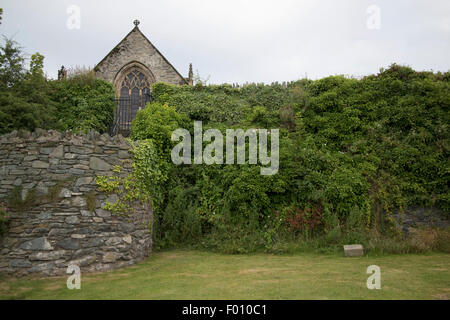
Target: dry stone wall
x=47 y=180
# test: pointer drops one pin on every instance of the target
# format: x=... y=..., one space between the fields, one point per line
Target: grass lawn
x=183 y=274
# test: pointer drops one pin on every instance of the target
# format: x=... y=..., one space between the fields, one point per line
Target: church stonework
x=133 y=66
x=135 y=54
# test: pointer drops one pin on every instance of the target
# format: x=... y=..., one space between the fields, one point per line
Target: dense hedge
x=60 y=105
x=83 y=104
x=28 y=100
x=352 y=152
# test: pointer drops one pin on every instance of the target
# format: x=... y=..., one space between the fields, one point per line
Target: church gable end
x=133 y=66
x=135 y=51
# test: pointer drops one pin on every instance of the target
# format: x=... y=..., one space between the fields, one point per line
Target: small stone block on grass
x=353 y=250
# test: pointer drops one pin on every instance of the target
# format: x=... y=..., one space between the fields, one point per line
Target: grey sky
x=241 y=40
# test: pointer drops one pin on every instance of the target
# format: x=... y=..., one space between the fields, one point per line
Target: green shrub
x=157 y=121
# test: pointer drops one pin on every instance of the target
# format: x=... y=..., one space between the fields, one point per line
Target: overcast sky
x=236 y=41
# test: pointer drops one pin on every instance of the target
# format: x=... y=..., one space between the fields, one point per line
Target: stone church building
x=132 y=67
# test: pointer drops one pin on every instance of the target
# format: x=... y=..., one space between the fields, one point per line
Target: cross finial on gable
x=136 y=22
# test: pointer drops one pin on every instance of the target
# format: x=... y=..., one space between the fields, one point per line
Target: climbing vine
x=144 y=183
x=4 y=218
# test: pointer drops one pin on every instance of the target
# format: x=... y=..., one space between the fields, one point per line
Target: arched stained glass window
x=134 y=93
x=135 y=79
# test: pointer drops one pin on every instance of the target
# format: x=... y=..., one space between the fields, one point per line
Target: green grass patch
x=183 y=274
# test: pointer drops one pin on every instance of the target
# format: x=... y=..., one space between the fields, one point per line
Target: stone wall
x=418 y=217
x=47 y=179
